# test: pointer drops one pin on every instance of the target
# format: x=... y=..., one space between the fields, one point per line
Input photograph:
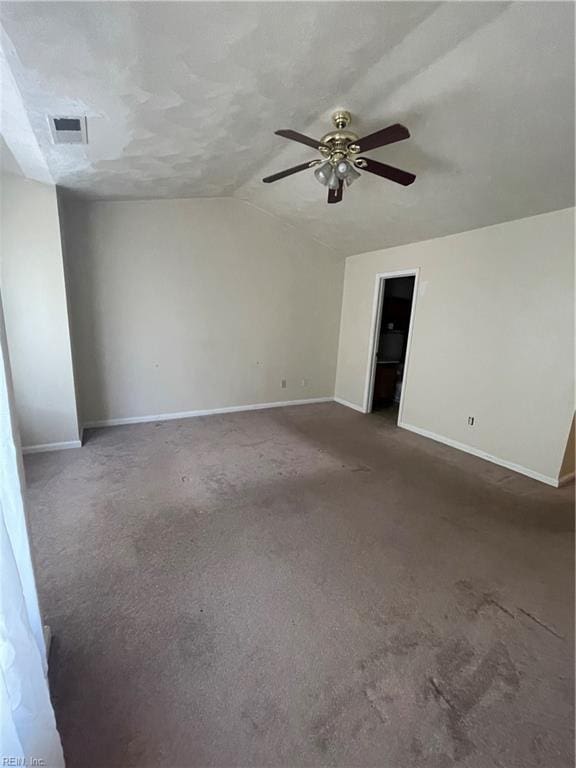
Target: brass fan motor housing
x=339 y=136
x=338 y=144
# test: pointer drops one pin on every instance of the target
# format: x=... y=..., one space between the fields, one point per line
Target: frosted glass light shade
x=351 y=176
x=323 y=172
x=333 y=181
x=347 y=172
x=343 y=169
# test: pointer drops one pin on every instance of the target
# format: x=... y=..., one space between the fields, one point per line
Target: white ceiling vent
x=68 y=130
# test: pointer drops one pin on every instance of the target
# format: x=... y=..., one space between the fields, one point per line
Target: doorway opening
x=390 y=343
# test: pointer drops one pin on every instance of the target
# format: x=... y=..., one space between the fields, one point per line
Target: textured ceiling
x=182 y=100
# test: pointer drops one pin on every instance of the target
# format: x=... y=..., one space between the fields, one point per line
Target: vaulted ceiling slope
x=182 y=100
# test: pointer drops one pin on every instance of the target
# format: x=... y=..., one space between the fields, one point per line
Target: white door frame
x=381 y=278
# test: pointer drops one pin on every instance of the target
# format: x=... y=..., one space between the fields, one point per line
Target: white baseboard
x=482 y=455
x=51 y=446
x=565 y=479
x=207 y=412
x=348 y=404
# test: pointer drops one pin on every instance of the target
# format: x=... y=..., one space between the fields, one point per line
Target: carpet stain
x=463 y=682
x=481 y=601
x=541 y=623
x=262 y=714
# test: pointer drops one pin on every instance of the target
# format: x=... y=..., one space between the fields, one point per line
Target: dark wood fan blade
x=388 y=135
x=386 y=171
x=335 y=195
x=295 y=136
x=287 y=172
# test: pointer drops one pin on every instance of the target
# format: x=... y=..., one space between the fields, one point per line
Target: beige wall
x=34 y=296
x=492 y=337
x=183 y=305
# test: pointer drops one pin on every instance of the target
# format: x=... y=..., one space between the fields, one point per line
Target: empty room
x=287 y=384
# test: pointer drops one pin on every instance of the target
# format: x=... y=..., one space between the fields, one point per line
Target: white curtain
x=28 y=732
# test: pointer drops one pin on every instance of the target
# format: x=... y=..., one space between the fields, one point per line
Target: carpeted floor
x=303 y=586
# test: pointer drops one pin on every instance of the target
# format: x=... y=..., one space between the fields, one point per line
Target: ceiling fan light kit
x=339 y=149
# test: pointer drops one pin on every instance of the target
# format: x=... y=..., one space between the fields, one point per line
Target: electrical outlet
x=283 y=384
x=470 y=421
x=304 y=382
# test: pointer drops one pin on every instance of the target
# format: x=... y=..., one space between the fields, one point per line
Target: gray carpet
x=302 y=587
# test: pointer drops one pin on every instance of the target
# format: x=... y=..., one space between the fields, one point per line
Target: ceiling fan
x=340 y=148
